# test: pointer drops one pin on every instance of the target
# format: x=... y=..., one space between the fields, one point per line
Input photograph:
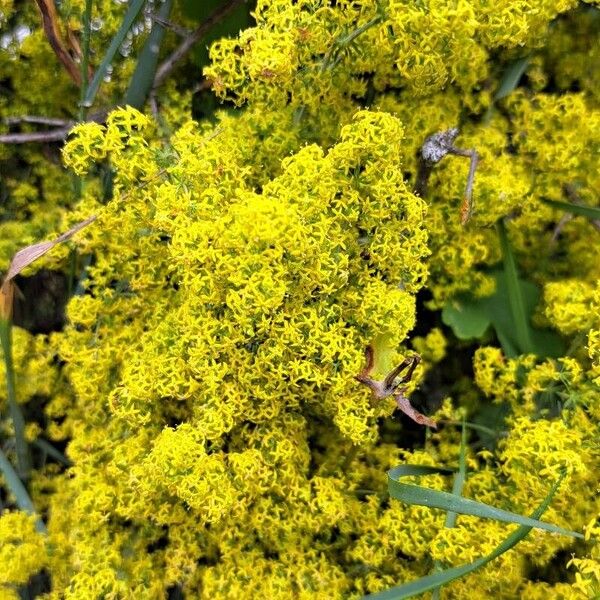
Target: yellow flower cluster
x=22 y=552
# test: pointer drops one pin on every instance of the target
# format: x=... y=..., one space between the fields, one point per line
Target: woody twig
x=434 y=148
x=393 y=385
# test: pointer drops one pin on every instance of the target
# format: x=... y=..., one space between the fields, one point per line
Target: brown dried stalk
x=434 y=148
x=52 y=31
x=188 y=43
x=393 y=385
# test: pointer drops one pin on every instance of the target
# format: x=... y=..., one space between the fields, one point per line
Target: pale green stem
x=23 y=458
x=15 y=485
x=85 y=57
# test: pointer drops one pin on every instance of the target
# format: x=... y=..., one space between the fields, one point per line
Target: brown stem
x=466 y=209
x=434 y=148
x=53 y=135
x=181 y=31
x=39 y=120
x=168 y=65
x=52 y=31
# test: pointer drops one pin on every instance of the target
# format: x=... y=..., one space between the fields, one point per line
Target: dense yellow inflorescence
x=205 y=382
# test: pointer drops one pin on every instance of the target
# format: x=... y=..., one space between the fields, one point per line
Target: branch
x=52 y=31
x=178 y=29
x=53 y=135
x=434 y=148
x=38 y=120
x=168 y=65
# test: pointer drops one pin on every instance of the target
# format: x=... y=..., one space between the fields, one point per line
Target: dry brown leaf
x=52 y=31
x=23 y=258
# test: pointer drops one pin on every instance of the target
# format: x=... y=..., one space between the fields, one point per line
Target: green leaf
x=471 y=317
x=14 y=408
x=130 y=16
x=508 y=311
x=590 y=212
x=16 y=487
x=416 y=494
x=51 y=451
x=460 y=477
x=511 y=77
x=85 y=55
x=457 y=489
x=468 y=318
x=435 y=580
x=145 y=69
x=516 y=297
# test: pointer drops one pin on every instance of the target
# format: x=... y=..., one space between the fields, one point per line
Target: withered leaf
x=23 y=258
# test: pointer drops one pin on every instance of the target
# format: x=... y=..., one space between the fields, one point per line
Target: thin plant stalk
x=23 y=457
x=85 y=57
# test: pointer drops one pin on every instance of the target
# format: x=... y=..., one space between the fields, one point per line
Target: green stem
x=85 y=58
x=85 y=61
x=329 y=60
x=358 y=31
x=23 y=458
x=15 y=485
x=457 y=488
x=51 y=451
x=475 y=427
x=349 y=458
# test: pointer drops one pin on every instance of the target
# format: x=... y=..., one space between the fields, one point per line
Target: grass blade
x=460 y=477
x=511 y=77
x=590 y=212
x=436 y=580
x=132 y=12
x=16 y=415
x=423 y=496
x=515 y=294
x=457 y=488
x=51 y=451
x=16 y=487
x=145 y=69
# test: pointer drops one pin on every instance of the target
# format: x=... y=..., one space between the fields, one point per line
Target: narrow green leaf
x=511 y=77
x=422 y=496
x=50 y=450
x=130 y=16
x=16 y=487
x=591 y=212
x=145 y=69
x=519 y=311
x=460 y=477
x=457 y=488
x=16 y=415
x=435 y=580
